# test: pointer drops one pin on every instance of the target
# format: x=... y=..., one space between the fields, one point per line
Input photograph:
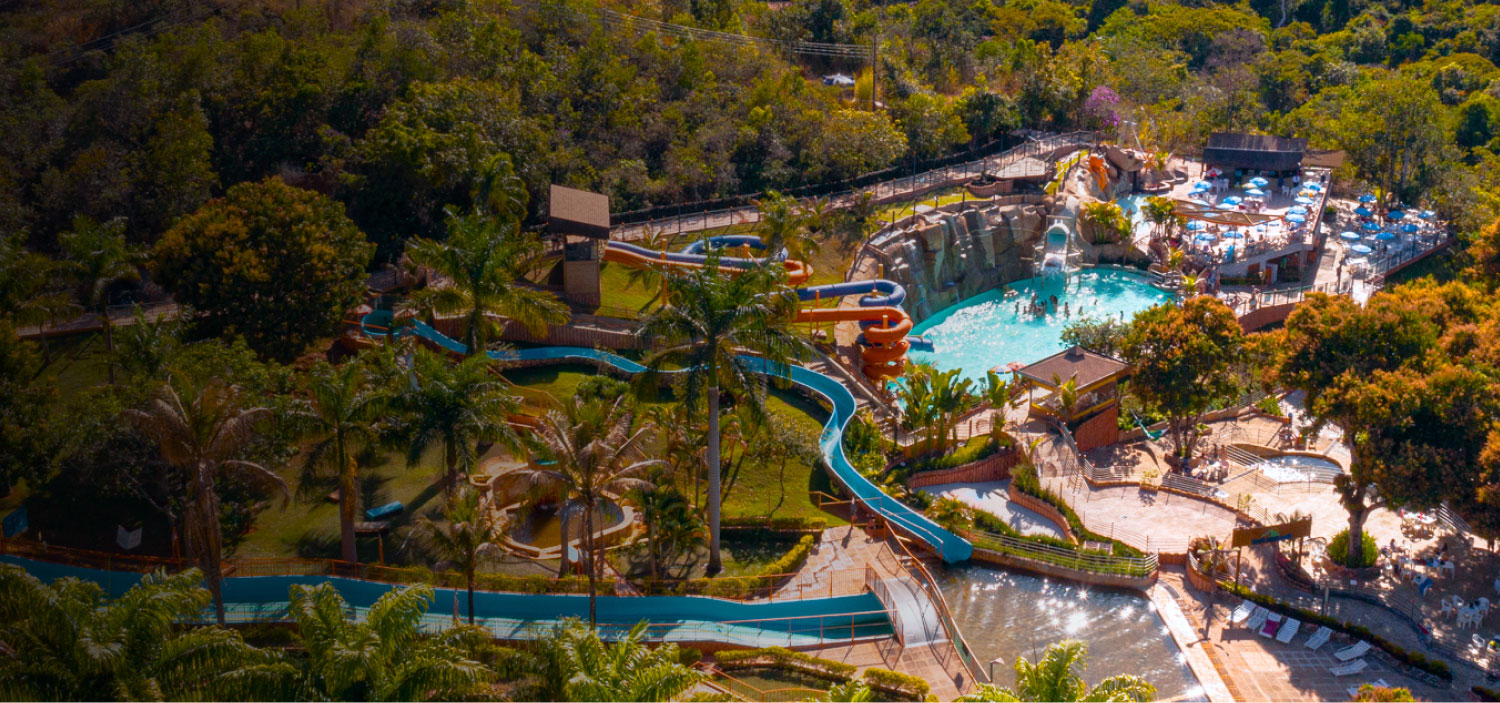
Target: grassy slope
x=758 y=490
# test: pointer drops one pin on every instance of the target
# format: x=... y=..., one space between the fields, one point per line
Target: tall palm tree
x=346 y=404
x=98 y=258
x=67 y=641
x=482 y=268
x=572 y=663
x=469 y=538
x=146 y=346
x=454 y=406
x=595 y=453
x=785 y=224
x=385 y=656
x=1056 y=677
x=711 y=321
x=201 y=438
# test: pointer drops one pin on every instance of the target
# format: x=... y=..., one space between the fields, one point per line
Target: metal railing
x=1075 y=559
x=918 y=571
x=749 y=692
x=882 y=593
x=701 y=216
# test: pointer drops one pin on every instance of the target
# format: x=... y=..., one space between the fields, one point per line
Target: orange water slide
x=886 y=355
x=797 y=272
x=1101 y=174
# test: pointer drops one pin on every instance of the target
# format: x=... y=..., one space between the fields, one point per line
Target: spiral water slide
x=884 y=323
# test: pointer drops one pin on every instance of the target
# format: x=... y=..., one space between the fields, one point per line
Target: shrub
x=783 y=658
x=896 y=682
x=1485 y=694
x=1338 y=550
x=793 y=559
x=1270 y=406
x=975 y=449
x=744 y=587
x=777 y=523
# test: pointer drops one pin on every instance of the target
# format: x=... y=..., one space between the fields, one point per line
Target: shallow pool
x=1296 y=468
x=991 y=329
x=1008 y=614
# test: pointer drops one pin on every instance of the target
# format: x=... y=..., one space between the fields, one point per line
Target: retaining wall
x=995 y=467
x=1045 y=509
x=1040 y=567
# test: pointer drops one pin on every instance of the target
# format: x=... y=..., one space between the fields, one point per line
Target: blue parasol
x=1367 y=198
x=1360 y=249
x=1363 y=211
x=1299 y=209
x=1409 y=228
x=1258 y=182
x=1427 y=214
x=1294 y=217
x=1255 y=192
x=1395 y=215
x=1385 y=236
x=1205 y=238
x=1232 y=200
x=1195 y=225
x=1302 y=200
x=1349 y=236
x=1234 y=234
x=1370 y=227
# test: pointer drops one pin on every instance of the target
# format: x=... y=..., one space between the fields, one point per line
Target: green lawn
x=78 y=362
x=759 y=490
x=742 y=553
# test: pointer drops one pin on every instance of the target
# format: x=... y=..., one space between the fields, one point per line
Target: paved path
x=994 y=497
x=1147 y=520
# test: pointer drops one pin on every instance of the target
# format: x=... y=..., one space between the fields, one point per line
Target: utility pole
x=875 y=67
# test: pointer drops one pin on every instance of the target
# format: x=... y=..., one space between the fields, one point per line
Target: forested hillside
x=145 y=110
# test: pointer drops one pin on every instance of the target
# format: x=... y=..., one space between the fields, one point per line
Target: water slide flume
x=880 y=315
x=947 y=545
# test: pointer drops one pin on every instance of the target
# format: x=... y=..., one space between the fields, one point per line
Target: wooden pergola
x=1208 y=213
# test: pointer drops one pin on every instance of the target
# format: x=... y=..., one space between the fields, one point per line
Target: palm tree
x=470 y=537
x=852 y=691
x=345 y=406
x=384 y=657
x=201 y=438
x=1054 y=679
x=483 y=265
x=573 y=663
x=595 y=454
x=146 y=346
x=670 y=524
x=787 y=225
x=99 y=258
x=711 y=321
x=951 y=513
x=951 y=396
x=1002 y=395
x=1067 y=396
x=67 y=641
x=455 y=406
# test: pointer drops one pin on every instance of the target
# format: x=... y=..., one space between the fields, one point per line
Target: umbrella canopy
x=1258 y=182
x=1205 y=238
x=1395 y=214
x=1427 y=214
x=1303 y=200
x=1314 y=187
x=1294 y=217
x=1367 y=198
x=1360 y=249
x=1202 y=185
x=1255 y=192
x=1299 y=209
x=1370 y=227
x=1234 y=234
x=1385 y=236
x=1349 y=236
x=1195 y=225
x=1363 y=211
x=1232 y=200
x=1409 y=228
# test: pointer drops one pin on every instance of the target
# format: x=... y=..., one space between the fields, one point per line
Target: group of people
x=1037 y=307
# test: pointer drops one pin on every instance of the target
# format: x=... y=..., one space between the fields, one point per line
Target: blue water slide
x=877 y=293
x=947 y=545
x=810 y=621
x=726 y=240
x=682 y=258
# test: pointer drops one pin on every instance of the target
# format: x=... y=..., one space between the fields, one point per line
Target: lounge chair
x=1349 y=669
x=1353 y=651
x=1288 y=631
x=1268 y=629
x=1241 y=613
x=1258 y=618
x=1319 y=638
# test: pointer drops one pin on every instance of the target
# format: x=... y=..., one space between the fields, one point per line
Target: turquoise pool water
x=991 y=329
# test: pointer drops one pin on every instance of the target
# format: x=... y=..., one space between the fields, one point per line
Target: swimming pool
x=991 y=329
x=1008 y=614
x=1297 y=468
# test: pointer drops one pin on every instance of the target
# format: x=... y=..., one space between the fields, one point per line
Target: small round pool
x=1298 y=468
x=992 y=329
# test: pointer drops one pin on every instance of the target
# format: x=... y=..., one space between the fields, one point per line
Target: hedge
x=739 y=587
x=896 y=682
x=969 y=453
x=1024 y=479
x=1485 y=694
x=783 y=658
x=487 y=582
x=1434 y=666
x=777 y=523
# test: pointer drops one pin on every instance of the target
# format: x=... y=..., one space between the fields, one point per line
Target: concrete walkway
x=994 y=497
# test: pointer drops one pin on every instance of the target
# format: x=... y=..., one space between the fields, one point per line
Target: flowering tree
x=1099 y=109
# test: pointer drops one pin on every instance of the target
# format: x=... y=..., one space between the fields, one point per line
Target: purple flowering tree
x=1099 y=109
